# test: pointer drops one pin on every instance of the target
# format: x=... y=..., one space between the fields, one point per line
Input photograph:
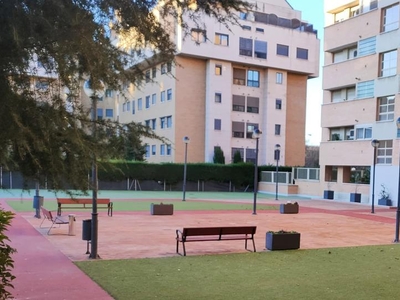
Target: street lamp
x=375 y=144
x=186 y=140
x=256 y=135
x=396 y=238
x=277 y=154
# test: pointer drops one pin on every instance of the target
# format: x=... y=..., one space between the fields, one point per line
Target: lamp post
x=256 y=135
x=277 y=154
x=186 y=140
x=396 y=238
x=375 y=144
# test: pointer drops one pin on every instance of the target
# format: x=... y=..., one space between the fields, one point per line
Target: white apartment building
x=361 y=91
x=227 y=82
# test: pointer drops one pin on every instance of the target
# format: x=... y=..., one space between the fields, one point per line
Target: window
x=163 y=68
x=253 y=104
x=148 y=76
x=169 y=121
x=169 y=67
x=124 y=107
x=253 y=78
x=198 y=35
x=365 y=89
x=390 y=18
x=235 y=150
x=153 y=150
x=279 y=77
x=147 y=123
x=139 y=104
x=162 y=122
x=250 y=130
x=282 y=50
x=217 y=124
x=169 y=94
x=147 y=150
x=43 y=85
x=162 y=149
x=154 y=72
x=153 y=124
x=108 y=93
x=147 y=101
x=363 y=133
x=277 y=129
x=221 y=39
x=242 y=15
x=218 y=97
x=259 y=30
x=153 y=99
x=109 y=113
x=128 y=106
x=168 y=149
x=245 y=47
x=239 y=76
x=303 y=53
x=386 y=108
x=278 y=103
x=384 y=153
x=343 y=94
x=238 y=103
x=133 y=107
x=251 y=155
x=388 y=63
x=246 y=27
x=218 y=70
x=238 y=129
x=260 y=49
x=99 y=114
x=162 y=98
x=367 y=46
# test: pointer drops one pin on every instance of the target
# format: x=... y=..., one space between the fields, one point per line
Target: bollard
x=71 y=225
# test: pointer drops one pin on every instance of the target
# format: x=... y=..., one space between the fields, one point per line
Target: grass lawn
x=339 y=273
x=26 y=205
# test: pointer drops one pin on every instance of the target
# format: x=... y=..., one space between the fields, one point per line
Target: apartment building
x=225 y=83
x=361 y=89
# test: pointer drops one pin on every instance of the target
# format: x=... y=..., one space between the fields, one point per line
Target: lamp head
x=256 y=133
x=186 y=139
x=277 y=147
x=375 y=143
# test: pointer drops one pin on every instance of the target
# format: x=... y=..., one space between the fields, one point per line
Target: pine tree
x=237 y=157
x=219 y=157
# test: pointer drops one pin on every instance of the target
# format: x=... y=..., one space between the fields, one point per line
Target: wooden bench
x=47 y=215
x=102 y=203
x=205 y=234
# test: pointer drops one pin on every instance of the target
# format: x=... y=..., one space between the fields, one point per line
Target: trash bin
x=87 y=230
x=37 y=203
x=71 y=225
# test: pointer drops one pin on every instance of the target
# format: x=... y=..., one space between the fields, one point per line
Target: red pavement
x=42 y=271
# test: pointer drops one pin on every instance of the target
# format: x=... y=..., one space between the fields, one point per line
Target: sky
x=312 y=11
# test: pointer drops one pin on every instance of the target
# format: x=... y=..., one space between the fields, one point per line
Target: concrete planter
x=289 y=208
x=162 y=209
x=385 y=201
x=355 y=197
x=282 y=240
x=328 y=194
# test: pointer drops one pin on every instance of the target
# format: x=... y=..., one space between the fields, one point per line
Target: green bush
x=237 y=158
x=6 y=262
x=240 y=174
x=219 y=157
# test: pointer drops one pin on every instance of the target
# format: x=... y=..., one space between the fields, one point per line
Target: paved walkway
x=44 y=267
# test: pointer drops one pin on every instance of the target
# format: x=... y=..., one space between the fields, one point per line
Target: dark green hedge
x=238 y=174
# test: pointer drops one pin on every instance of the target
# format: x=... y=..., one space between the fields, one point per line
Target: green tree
x=74 y=40
x=237 y=157
x=219 y=157
x=6 y=261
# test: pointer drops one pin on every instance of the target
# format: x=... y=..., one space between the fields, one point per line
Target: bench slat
x=81 y=203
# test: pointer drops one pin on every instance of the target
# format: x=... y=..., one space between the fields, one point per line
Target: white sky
x=312 y=11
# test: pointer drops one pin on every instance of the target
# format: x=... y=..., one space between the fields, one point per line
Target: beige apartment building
x=361 y=88
x=227 y=82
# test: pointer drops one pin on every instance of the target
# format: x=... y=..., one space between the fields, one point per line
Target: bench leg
x=254 y=244
x=177 y=246
x=184 y=249
x=110 y=209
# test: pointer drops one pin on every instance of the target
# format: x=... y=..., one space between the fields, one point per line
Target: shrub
x=6 y=262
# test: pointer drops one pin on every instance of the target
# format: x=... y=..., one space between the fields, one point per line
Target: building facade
x=361 y=89
x=226 y=82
